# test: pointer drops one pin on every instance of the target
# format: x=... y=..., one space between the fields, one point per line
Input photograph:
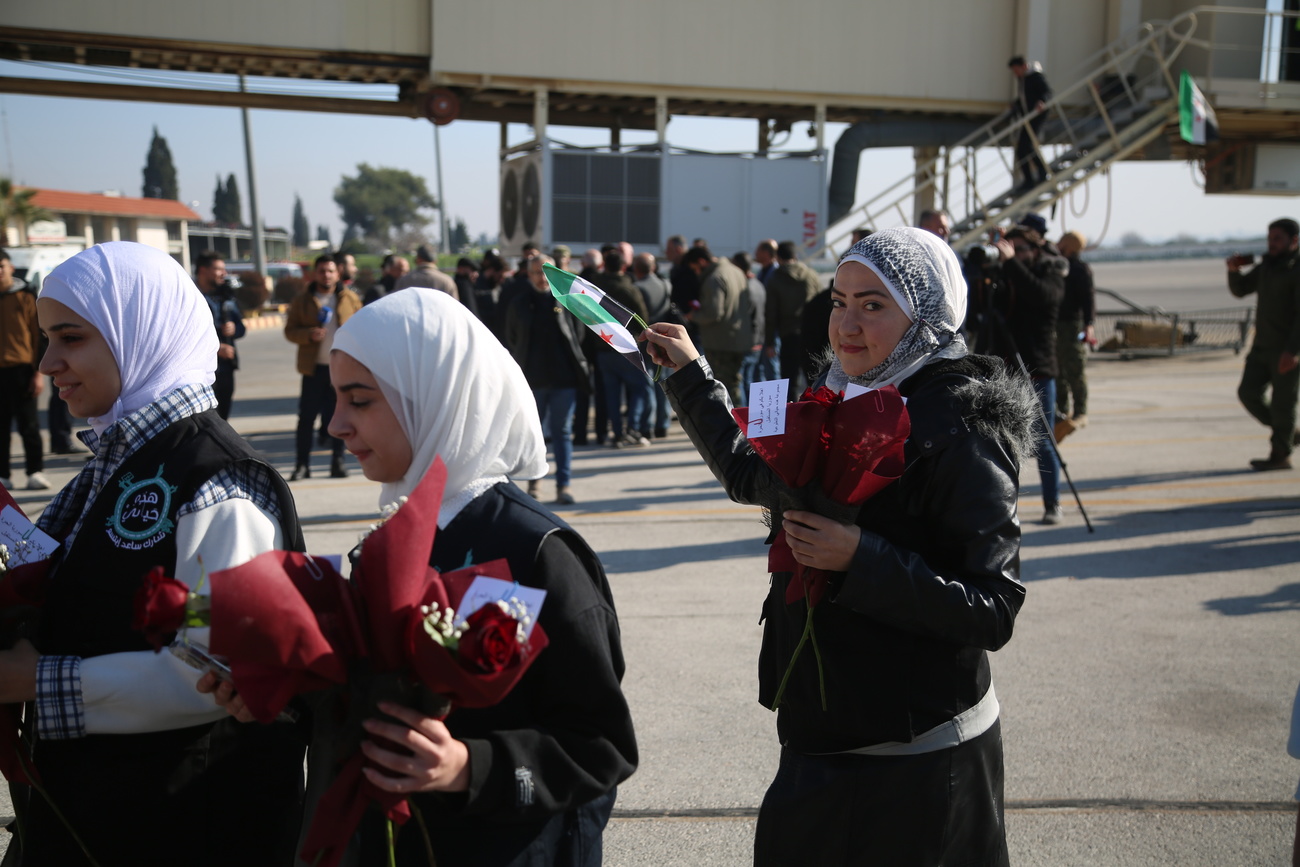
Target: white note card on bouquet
x=767 y=408
x=25 y=542
x=484 y=590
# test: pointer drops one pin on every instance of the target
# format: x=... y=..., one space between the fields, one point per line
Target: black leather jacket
x=935 y=581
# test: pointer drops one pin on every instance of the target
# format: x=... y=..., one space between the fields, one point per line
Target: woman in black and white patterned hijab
x=890 y=734
x=899 y=299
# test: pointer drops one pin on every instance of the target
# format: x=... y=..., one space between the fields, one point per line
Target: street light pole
x=259 y=247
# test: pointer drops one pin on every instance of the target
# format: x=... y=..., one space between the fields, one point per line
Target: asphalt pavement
x=1145 y=694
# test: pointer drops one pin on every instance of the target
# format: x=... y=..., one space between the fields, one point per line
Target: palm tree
x=16 y=205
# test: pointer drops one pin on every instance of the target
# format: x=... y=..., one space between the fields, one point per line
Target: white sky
x=94 y=145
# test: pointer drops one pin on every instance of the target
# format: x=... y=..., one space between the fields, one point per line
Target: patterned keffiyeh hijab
x=924 y=276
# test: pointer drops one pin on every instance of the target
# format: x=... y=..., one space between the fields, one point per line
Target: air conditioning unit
x=586 y=197
x=522 y=214
x=1246 y=168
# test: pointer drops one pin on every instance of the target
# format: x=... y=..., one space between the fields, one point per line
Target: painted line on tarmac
x=1084 y=444
x=1278 y=502
x=1095 y=805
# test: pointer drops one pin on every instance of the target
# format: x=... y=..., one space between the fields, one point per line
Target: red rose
x=159 y=607
x=490 y=641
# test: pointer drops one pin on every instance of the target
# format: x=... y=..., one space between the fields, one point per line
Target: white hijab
x=455 y=391
x=155 y=320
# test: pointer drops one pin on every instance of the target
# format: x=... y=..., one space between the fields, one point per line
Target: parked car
x=275 y=271
x=32 y=264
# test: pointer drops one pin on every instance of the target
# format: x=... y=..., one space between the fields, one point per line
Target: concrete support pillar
x=541 y=112
x=1032 y=20
x=661 y=120
x=819 y=125
x=924 y=198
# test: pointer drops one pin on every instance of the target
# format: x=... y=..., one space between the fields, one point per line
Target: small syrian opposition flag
x=1196 y=120
x=611 y=321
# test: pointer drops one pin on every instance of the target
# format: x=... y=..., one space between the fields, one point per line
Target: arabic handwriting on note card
x=767 y=408
x=25 y=542
x=484 y=590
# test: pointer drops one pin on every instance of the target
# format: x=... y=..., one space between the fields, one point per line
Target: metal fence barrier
x=1144 y=331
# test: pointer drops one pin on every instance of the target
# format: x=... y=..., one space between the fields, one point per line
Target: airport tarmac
x=1145 y=695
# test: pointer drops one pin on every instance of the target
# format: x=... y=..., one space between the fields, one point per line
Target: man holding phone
x=1273 y=363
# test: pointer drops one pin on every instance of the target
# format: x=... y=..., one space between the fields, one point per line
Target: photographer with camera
x=219 y=290
x=1033 y=284
x=1272 y=362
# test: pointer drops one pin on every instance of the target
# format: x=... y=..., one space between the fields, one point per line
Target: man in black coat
x=1033 y=286
x=1032 y=94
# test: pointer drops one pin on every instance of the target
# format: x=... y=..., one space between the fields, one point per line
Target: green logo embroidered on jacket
x=140 y=519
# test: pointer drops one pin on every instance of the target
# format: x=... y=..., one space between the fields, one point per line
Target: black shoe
x=337 y=470
x=661 y=433
x=301 y=471
x=1272 y=462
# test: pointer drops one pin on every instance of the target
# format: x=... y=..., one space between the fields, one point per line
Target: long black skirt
x=940 y=808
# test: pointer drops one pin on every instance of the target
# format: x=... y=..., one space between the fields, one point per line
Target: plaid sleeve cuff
x=59 y=711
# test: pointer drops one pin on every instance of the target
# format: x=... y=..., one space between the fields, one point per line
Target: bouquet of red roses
x=834 y=455
x=22 y=592
x=289 y=625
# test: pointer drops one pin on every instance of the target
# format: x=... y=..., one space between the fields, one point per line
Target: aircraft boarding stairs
x=1127 y=98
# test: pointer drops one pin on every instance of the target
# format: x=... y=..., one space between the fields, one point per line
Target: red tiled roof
x=62 y=202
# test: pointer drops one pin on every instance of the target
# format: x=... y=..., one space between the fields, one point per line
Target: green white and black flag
x=1196 y=120
x=612 y=322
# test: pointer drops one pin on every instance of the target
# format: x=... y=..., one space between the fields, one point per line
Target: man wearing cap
x=561 y=255
x=1032 y=94
x=427 y=274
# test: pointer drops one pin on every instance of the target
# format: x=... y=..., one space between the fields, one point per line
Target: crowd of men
x=756 y=317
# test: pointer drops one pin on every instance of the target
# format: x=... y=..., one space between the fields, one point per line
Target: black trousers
x=224 y=387
x=943 y=807
x=18 y=404
x=1031 y=166
x=59 y=421
x=794 y=366
x=315 y=399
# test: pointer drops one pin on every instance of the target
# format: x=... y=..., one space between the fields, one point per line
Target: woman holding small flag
x=892 y=750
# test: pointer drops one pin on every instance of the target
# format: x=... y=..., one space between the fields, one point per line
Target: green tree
x=159 y=172
x=219 y=200
x=323 y=234
x=459 y=236
x=17 y=205
x=234 y=208
x=301 y=228
x=226 y=208
x=379 y=201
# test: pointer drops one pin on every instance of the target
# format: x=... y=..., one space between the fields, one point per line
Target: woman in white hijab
x=121 y=734
x=899 y=759
x=532 y=779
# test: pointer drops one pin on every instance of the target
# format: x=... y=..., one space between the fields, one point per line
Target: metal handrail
x=1113 y=62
